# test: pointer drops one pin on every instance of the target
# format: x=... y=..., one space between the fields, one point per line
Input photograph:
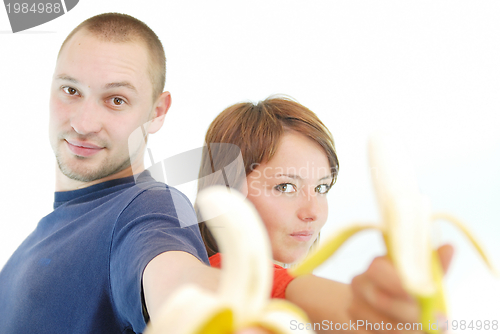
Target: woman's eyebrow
x=291 y=176
x=297 y=177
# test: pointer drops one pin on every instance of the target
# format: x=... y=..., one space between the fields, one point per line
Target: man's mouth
x=83 y=149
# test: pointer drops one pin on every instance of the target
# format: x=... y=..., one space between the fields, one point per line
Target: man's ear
x=160 y=110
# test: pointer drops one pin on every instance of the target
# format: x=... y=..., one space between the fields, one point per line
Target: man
x=112 y=250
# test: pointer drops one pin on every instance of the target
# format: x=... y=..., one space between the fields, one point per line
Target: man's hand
x=379 y=296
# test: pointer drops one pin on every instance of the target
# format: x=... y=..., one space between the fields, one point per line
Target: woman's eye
x=117 y=101
x=323 y=188
x=285 y=188
x=70 y=90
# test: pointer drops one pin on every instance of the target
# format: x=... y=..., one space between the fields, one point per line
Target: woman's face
x=289 y=192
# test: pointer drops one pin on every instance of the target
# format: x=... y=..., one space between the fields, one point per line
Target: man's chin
x=80 y=174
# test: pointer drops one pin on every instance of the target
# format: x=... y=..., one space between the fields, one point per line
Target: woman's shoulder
x=215 y=260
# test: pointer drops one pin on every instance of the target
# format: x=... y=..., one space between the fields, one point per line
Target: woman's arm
x=375 y=296
x=322 y=299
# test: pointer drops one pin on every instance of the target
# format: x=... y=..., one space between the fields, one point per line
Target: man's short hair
x=123 y=28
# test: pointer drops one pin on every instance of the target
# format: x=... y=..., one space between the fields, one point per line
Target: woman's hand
x=379 y=299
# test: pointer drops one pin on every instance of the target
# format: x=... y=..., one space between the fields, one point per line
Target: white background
x=428 y=70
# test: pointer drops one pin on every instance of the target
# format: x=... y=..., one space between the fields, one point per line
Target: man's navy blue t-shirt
x=80 y=271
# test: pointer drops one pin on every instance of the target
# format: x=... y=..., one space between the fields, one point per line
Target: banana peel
x=243 y=298
x=406 y=229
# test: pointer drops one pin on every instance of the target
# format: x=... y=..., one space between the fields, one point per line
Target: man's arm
x=168 y=271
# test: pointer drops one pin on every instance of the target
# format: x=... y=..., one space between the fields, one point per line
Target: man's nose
x=87 y=118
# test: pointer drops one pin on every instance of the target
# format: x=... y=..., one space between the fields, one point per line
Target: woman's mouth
x=302 y=235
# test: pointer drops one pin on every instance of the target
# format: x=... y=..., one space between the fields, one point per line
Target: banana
x=242 y=300
x=406 y=229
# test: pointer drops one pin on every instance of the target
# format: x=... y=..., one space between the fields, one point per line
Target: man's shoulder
x=152 y=197
x=157 y=192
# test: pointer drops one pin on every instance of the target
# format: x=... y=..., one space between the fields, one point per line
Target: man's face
x=100 y=93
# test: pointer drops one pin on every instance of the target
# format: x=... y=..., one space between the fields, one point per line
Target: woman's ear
x=161 y=107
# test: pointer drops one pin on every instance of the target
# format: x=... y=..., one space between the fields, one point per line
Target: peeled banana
x=242 y=300
x=406 y=228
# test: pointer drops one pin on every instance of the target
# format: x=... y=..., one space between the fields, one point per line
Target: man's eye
x=323 y=188
x=117 y=101
x=286 y=188
x=70 y=90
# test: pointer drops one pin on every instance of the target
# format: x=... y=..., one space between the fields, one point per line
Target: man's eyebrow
x=67 y=78
x=121 y=84
x=107 y=86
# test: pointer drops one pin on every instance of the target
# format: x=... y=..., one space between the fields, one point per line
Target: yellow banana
x=406 y=228
x=242 y=299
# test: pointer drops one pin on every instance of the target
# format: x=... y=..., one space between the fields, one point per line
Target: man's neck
x=64 y=183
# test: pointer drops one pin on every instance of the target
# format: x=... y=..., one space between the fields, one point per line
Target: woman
x=275 y=125
x=288 y=166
